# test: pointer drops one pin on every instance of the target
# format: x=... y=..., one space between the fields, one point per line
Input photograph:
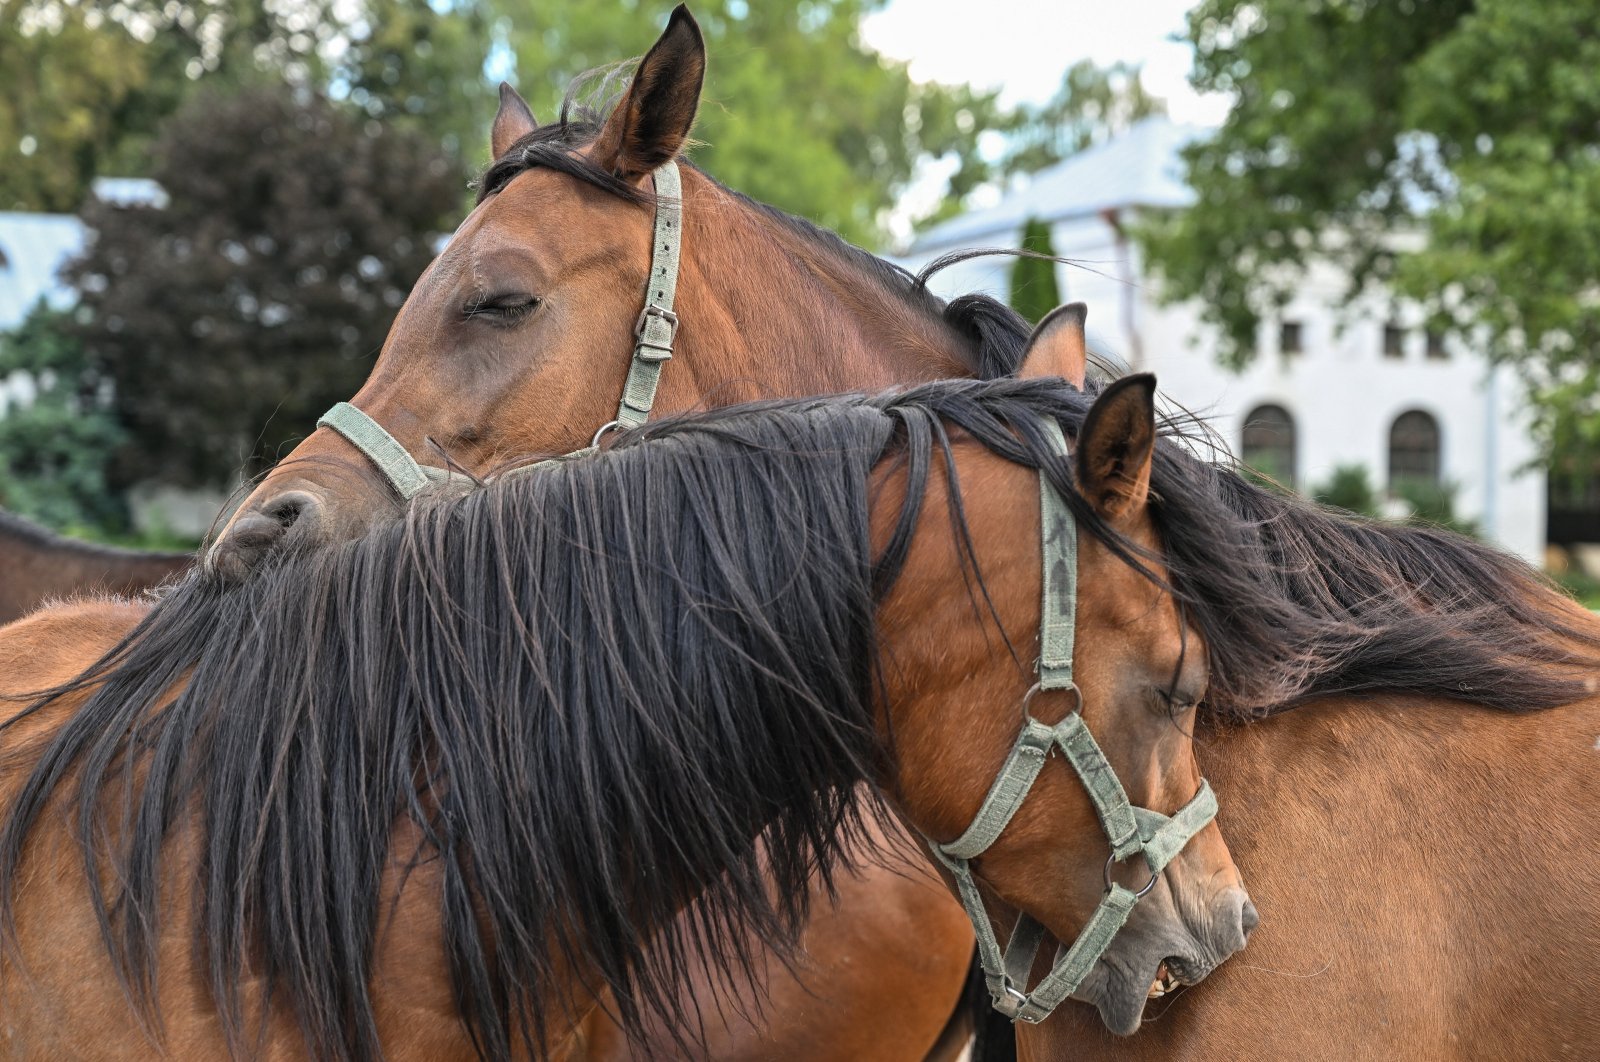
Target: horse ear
x=652 y=122
x=1057 y=346
x=512 y=122
x=1115 y=447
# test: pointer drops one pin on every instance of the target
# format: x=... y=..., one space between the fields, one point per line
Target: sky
x=1024 y=46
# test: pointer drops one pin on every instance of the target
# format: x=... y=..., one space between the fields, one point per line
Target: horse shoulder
x=57 y=643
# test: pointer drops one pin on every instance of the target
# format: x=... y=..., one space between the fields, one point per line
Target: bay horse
x=1416 y=815
x=424 y=794
x=38 y=566
x=516 y=340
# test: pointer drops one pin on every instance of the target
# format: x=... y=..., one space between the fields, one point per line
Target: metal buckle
x=644 y=322
x=1112 y=859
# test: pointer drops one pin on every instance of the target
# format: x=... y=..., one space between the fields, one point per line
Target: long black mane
x=998 y=334
x=587 y=689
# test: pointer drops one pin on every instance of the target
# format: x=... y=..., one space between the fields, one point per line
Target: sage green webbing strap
x=657 y=326
x=1058 y=611
x=382 y=449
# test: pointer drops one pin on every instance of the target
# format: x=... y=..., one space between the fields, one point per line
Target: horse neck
x=776 y=308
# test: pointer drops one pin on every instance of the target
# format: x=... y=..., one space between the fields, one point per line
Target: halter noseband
x=1131 y=830
x=654 y=333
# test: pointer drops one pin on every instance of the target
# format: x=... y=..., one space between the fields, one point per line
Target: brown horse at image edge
x=37 y=566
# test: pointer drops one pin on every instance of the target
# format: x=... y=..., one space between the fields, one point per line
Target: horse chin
x=1118 y=994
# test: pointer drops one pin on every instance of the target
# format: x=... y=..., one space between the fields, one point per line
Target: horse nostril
x=288 y=509
x=1249 y=918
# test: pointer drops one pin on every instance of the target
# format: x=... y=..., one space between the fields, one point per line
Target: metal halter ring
x=1036 y=689
x=1112 y=859
x=610 y=425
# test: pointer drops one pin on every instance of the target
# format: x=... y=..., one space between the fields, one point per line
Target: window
x=1268 y=444
x=1394 y=341
x=1290 y=340
x=1436 y=351
x=1413 y=450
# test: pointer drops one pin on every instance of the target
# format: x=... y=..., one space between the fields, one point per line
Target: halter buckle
x=659 y=351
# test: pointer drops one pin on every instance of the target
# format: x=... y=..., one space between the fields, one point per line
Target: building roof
x=1140 y=168
x=33 y=248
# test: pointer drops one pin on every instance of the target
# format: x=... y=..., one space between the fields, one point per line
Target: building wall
x=1342 y=391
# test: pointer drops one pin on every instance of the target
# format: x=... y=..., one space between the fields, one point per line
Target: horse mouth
x=1165 y=981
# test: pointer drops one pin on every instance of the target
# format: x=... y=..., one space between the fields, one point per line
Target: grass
x=1584 y=587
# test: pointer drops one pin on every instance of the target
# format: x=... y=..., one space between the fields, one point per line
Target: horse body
x=1427 y=883
x=37 y=566
x=444 y=789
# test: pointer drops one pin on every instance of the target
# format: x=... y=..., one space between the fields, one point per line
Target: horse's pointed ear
x=1115 y=447
x=652 y=122
x=512 y=122
x=1057 y=347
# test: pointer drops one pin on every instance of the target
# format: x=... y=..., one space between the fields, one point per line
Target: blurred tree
x=89 y=83
x=1349 y=488
x=797 y=111
x=1449 y=149
x=1093 y=104
x=1034 y=292
x=232 y=318
x=53 y=449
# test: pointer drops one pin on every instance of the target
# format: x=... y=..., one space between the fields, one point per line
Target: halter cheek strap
x=654 y=334
x=1130 y=830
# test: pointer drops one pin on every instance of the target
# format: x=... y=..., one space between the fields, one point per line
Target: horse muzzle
x=1165 y=944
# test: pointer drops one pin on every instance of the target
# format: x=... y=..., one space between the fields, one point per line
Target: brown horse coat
x=37 y=566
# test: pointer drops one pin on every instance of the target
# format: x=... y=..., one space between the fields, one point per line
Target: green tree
x=88 y=84
x=797 y=111
x=53 y=449
x=1093 y=104
x=1348 y=488
x=1448 y=150
x=1033 y=280
x=229 y=320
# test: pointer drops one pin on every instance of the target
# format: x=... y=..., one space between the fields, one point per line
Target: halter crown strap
x=657 y=326
x=1130 y=830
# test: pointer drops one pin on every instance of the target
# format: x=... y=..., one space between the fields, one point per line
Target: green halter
x=1131 y=830
x=654 y=333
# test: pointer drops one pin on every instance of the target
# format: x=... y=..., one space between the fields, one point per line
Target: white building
x=1329 y=387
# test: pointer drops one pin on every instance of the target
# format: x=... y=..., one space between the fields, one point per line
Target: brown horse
x=1420 y=829
x=427 y=793
x=37 y=566
x=516 y=341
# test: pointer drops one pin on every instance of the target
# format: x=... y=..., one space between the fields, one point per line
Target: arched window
x=1268 y=444
x=1413 y=450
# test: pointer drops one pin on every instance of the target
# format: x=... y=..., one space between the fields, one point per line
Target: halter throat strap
x=655 y=332
x=1130 y=830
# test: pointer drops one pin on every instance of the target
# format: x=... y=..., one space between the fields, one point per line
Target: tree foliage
x=797 y=111
x=1093 y=104
x=89 y=83
x=53 y=448
x=1447 y=151
x=230 y=319
x=1034 y=291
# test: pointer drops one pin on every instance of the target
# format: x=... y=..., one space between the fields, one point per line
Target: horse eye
x=506 y=308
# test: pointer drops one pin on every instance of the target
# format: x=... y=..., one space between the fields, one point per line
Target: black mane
x=998 y=334
x=589 y=688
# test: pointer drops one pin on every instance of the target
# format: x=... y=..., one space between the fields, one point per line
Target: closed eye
x=505 y=308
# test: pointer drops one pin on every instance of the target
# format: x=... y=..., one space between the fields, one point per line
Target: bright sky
x=1024 y=46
